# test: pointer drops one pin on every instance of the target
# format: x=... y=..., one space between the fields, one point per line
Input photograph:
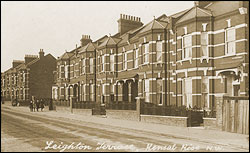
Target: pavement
x=213 y=137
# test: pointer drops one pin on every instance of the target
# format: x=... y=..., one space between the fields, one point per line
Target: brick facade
x=184 y=59
x=31 y=77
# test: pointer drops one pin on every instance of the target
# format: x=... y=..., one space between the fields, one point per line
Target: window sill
x=186 y=59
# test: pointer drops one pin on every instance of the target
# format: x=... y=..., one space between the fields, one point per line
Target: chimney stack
x=41 y=54
x=15 y=63
x=85 y=40
x=127 y=22
x=29 y=58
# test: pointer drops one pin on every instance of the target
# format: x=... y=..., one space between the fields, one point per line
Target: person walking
x=37 y=105
x=34 y=106
x=31 y=106
x=41 y=105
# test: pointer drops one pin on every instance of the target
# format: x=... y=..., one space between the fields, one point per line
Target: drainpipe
x=165 y=67
x=168 y=54
x=152 y=65
x=176 y=76
x=95 y=74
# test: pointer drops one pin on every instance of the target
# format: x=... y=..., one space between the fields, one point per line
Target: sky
x=54 y=26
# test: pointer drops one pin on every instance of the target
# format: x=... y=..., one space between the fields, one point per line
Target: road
x=32 y=131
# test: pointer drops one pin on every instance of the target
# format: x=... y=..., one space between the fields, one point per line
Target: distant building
x=31 y=77
x=183 y=59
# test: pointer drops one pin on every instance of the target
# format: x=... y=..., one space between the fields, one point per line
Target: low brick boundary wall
x=122 y=114
x=85 y=112
x=210 y=123
x=166 y=120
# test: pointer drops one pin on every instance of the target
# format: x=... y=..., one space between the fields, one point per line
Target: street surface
x=35 y=131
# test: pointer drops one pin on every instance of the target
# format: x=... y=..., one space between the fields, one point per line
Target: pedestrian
x=34 y=106
x=31 y=106
x=37 y=105
x=41 y=105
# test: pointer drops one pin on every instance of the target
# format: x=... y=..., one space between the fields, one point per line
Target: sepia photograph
x=124 y=76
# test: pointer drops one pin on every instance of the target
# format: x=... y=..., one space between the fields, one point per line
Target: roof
x=155 y=24
x=89 y=47
x=66 y=55
x=179 y=14
x=195 y=12
x=32 y=62
x=221 y=7
x=110 y=41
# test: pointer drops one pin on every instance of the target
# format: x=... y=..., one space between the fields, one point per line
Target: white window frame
x=83 y=66
x=160 y=92
x=205 y=79
x=112 y=62
x=91 y=65
x=227 y=42
x=61 y=72
x=136 y=57
x=147 y=90
x=158 y=52
x=204 y=45
x=103 y=63
x=188 y=48
x=125 y=61
x=23 y=77
x=146 y=53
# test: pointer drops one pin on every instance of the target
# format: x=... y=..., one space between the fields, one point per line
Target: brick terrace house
x=183 y=59
x=31 y=77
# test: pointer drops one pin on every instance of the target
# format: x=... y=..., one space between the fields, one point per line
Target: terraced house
x=183 y=59
x=31 y=77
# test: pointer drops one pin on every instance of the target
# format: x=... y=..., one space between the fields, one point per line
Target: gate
x=235 y=114
x=195 y=118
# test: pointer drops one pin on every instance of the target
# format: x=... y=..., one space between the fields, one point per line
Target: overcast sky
x=27 y=27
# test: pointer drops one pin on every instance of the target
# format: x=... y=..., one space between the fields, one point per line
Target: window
x=83 y=66
x=204 y=44
x=92 y=91
x=146 y=53
x=103 y=89
x=204 y=91
x=136 y=58
x=103 y=62
x=67 y=71
x=112 y=62
x=125 y=62
x=230 y=42
x=159 y=51
x=186 y=47
x=146 y=90
x=73 y=69
x=159 y=37
x=62 y=75
x=91 y=65
x=159 y=91
x=23 y=77
x=99 y=64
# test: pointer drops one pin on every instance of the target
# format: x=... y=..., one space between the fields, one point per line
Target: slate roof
x=110 y=41
x=89 y=47
x=66 y=55
x=195 y=12
x=155 y=24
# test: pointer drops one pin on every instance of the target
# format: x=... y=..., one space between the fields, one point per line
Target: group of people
x=35 y=105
